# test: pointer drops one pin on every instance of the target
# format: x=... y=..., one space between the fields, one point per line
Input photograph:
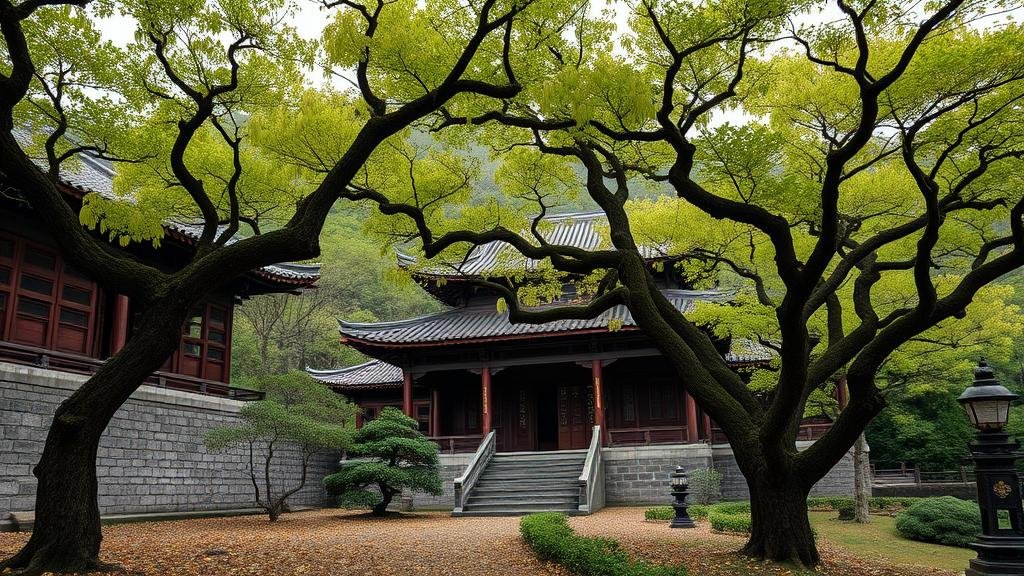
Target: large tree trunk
x=861 y=481
x=780 y=529
x=66 y=536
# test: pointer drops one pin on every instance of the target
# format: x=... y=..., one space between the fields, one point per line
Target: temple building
x=470 y=377
x=57 y=325
x=56 y=316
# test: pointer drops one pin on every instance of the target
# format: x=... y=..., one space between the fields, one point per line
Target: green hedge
x=944 y=520
x=662 y=513
x=875 y=503
x=729 y=521
x=551 y=538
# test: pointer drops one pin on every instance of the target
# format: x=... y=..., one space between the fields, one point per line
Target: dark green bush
x=944 y=520
x=847 y=511
x=732 y=507
x=662 y=513
x=699 y=511
x=729 y=521
x=551 y=538
x=875 y=503
x=828 y=502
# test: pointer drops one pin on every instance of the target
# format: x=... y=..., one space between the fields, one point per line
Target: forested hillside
x=277 y=333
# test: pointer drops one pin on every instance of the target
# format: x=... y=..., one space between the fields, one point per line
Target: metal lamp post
x=1000 y=546
x=680 y=490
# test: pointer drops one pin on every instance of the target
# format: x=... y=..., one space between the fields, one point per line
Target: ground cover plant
x=944 y=520
x=552 y=539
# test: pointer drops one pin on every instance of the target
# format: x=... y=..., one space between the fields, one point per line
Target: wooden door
x=517 y=419
x=574 y=418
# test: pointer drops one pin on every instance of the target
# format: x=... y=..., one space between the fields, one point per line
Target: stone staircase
x=519 y=483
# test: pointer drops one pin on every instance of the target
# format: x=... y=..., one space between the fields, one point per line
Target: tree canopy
x=851 y=170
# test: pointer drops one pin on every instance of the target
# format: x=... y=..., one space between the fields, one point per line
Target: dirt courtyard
x=335 y=542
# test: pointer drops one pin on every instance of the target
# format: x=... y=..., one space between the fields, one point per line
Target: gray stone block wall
x=838 y=482
x=452 y=466
x=640 y=475
x=151 y=458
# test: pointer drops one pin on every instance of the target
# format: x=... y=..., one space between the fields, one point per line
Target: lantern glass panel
x=989 y=414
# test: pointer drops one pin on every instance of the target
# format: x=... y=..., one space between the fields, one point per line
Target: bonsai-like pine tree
x=297 y=413
x=394 y=456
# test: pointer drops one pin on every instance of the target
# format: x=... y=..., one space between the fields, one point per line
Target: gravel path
x=333 y=542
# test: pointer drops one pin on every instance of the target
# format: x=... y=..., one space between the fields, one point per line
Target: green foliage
x=847 y=511
x=274 y=333
x=928 y=429
x=724 y=516
x=661 y=513
x=393 y=456
x=724 y=521
x=698 y=511
x=705 y=485
x=297 y=411
x=944 y=520
x=552 y=539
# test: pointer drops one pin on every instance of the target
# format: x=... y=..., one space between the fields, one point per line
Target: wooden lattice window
x=44 y=301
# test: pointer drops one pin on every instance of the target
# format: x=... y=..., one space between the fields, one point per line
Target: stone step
x=538 y=506
x=532 y=499
x=496 y=490
x=508 y=512
x=531 y=473
x=530 y=481
x=536 y=456
x=539 y=467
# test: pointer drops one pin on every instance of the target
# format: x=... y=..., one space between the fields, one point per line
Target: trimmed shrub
x=732 y=507
x=705 y=485
x=729 y=521
x=552 y=539
x=698 y=511
x=662 y=513
x=847 y=511
x=828 y=502
x=875 y=503
x=944 y=520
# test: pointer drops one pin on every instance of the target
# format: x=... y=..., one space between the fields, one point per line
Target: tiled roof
x=92 y=174
x=379 y=375
x=371 y=375
x=579 y=230
x=743 y=351
x=485 y=322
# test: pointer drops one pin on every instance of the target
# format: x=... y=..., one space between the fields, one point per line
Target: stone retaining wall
x=152 y=457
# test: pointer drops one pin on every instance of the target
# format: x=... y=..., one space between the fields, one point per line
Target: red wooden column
x=707 y=428
x=486 y=400
x=359 y=418
x=435 y=412
x=595 y=370
x=692 y=434
x=407 y=393
x=119 y=329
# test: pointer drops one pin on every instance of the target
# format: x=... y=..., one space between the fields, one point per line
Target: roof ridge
x=345 y=369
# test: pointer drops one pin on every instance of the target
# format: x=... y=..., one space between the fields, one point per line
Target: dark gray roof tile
x=483 y=322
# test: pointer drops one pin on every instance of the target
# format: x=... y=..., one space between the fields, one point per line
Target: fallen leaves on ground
x=333 y=542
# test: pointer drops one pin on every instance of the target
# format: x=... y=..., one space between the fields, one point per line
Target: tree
x=394 y=456
x=296 y=412
x=192 y=112
x=280 y=332
x=866 y=194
